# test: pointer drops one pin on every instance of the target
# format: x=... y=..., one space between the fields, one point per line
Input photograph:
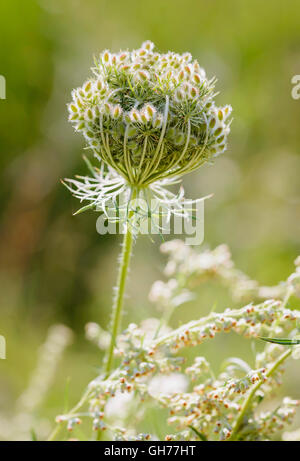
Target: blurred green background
x=55 y=268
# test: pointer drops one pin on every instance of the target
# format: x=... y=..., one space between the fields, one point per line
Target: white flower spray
x=204 y=403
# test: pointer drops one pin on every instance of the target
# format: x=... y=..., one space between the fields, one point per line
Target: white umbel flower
x=149 y=118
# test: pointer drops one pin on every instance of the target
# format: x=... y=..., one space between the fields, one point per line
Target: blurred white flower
x=118 y=407
x=172 y=383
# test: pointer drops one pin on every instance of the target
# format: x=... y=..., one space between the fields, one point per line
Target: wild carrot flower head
x=148 y=117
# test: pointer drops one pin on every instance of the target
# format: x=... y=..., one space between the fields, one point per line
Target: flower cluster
x=250 y=321
x=202 y=405
x=294 y=279
x=149 y=115
x=188 y=268
x=268 y=423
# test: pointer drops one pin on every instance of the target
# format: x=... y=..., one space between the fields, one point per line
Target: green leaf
x=199 y=434
x=89 y=165
x=33 y=435
x=66 y=396
x=84 y=208
x=282 y=341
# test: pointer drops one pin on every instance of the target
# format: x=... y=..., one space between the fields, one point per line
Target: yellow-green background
x=54 y=267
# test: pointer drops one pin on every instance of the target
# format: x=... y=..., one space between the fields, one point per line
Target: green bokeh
x=56 y=268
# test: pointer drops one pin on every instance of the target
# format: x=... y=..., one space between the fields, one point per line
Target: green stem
x=240 y=420
x=74 y=410
x=119 y=299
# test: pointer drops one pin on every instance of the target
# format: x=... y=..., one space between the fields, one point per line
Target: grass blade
x=282 y=341
x=199 y=434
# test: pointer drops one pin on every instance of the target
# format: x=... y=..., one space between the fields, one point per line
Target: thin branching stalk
x=56 y=431
x=240 y=420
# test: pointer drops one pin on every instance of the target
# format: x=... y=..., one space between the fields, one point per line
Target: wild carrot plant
x=149 y=119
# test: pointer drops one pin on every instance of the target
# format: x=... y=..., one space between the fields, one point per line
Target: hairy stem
x=120 y=291
x=240 y=420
